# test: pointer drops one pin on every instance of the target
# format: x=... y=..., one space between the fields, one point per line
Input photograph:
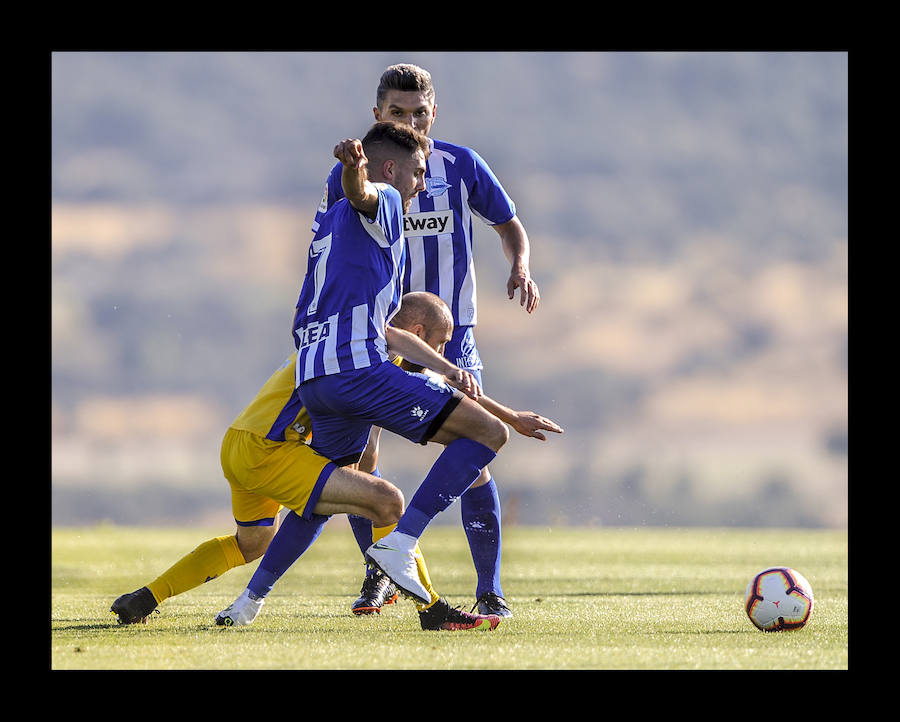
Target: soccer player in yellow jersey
x=268 y=465
x=267 y=474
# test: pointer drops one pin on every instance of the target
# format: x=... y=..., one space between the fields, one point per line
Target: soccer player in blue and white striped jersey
x=344 y=377
x=459 y=186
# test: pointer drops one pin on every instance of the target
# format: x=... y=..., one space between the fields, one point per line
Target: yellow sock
x=381 y=531
x=212 y=558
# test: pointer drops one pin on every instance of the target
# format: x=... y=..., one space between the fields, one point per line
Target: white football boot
x=395 y=555
x=242 y=610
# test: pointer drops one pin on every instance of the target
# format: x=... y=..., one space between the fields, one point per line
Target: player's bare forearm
x=526 y=423
x=415 y=350
x=514 y=241
x=368 y=462
x=404 y=343
x=354 y=176
x=504 y=413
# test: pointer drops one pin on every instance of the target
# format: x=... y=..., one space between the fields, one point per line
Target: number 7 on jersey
x=319 y=250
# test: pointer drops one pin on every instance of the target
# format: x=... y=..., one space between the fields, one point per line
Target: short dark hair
x=386 y=137
x=404 y=76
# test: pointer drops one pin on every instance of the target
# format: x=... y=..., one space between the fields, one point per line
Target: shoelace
x=483 y=597
x=370 y=583
x=460 y=614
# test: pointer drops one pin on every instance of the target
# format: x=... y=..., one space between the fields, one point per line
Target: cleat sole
x=487 y=624
x=363 y=611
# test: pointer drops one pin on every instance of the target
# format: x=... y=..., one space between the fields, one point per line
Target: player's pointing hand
x=532 y=425
x=350 y=153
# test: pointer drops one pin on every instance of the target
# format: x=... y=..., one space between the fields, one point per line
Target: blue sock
x=362 y=530
x=454 y=471
x=294 y=537
x=480 y=507
x=362 y=527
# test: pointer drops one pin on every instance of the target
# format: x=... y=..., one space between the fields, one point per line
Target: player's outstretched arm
x=526 y=423
x=354 y=176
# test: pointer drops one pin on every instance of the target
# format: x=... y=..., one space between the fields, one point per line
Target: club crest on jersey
x=309 y=335
x=436 y=186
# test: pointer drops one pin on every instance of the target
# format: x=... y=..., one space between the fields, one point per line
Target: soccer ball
x=778 y=599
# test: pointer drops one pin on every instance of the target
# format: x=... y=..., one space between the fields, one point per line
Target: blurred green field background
x=584 y=598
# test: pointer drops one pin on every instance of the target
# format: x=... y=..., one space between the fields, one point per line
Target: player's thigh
x=350 y=491
x=470 y=421
x=265 y=475
x=337 y=408
x=343 y=408
x=413 y=405
x=249 y=508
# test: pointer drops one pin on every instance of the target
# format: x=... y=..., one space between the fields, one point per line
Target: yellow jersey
x=276 y=411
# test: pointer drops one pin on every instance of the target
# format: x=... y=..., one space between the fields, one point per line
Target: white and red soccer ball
x=779 y=599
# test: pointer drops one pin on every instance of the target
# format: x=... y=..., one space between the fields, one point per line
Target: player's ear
x=377 y=114
x=387 y=169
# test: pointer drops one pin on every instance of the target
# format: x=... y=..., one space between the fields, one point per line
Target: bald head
x=427 y=316
x=426 y=309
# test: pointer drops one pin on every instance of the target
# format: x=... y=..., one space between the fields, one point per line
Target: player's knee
x=495 y=434
x=487 y=429
x=390 y=505
x=504 y=436
x=254 y=540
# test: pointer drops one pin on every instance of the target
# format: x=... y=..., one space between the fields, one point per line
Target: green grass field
x=606 y=599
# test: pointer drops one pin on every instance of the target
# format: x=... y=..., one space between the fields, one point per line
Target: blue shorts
x=344 y=407
x=462 y=351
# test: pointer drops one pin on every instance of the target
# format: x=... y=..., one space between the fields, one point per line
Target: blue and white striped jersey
x=351 y=289
x=458 y=185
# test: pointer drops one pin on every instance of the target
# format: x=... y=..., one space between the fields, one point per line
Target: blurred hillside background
x=688 y=219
